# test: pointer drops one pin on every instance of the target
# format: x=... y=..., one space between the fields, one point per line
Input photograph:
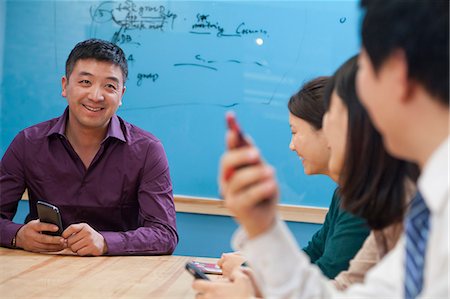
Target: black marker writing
x=212 y=64
x=196 y=65
x=203 y=25
x=150 y=76
x=241 y=30
x=121 y=38
x=129 y=15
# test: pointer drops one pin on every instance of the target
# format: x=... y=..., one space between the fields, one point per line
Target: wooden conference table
x=32 y=275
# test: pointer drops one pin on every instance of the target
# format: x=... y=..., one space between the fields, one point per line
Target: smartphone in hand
x=241 y=142
x=233 y=126
x=48 y=213
x=195 y=271
x=208 y=268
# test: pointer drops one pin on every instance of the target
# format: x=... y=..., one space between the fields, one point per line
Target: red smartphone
x=233 y=126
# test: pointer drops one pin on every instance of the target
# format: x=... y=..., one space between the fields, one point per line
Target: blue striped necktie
x=416 y=228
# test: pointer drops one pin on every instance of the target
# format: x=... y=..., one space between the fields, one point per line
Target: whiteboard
x=189 y=63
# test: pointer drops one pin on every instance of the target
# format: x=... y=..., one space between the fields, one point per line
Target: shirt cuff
x=115 y=243
x=8 y=232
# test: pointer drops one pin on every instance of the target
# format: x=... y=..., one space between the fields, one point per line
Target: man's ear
x=123 y=91
x=398 y=68
x=64 y=83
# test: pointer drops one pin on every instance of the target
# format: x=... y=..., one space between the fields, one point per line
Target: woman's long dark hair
x=307 y=103
x=372 y=182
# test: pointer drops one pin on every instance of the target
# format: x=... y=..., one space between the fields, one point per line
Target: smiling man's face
x=94 y=92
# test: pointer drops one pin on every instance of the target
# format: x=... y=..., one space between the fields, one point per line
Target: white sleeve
x=385 y=280
x=282 y=270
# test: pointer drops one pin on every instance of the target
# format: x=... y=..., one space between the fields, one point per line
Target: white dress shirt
x=284 y=271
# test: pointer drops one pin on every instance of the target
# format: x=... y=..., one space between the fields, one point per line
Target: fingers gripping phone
x=241 y=142
x=48 y=213
x=233 y=126
x=208 y=268
x=195 y=271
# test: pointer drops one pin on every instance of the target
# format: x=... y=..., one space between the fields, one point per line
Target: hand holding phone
x=260 y=177
x=195 y=271
x=241 y=142
x=208 y=268
x=48 y=213
x=233 y=126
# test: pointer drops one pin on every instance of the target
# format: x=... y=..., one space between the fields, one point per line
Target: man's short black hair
x=99 y=50
x=418 y=27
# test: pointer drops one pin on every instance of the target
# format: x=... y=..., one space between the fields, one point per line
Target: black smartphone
x=195 y=271
x=48 y=213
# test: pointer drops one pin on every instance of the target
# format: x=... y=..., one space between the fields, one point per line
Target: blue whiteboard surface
x=190 y=62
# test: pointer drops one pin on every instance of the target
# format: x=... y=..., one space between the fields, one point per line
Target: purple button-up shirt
x=125 y=194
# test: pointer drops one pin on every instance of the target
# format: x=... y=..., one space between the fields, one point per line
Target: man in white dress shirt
x=403 y=81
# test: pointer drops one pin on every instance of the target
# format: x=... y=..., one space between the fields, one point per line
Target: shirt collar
x=59 y=127
x=434 y=180
x=114 y=127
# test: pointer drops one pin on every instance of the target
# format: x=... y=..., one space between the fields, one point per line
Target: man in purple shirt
x=109 y=179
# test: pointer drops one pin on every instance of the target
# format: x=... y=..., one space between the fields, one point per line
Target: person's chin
x=396 y=150
x=306 y=170
x=333 y=169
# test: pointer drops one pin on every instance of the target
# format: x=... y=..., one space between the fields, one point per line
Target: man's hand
x=84 y=240
x=30 y=238
x=251 y=191
x=239 y=286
